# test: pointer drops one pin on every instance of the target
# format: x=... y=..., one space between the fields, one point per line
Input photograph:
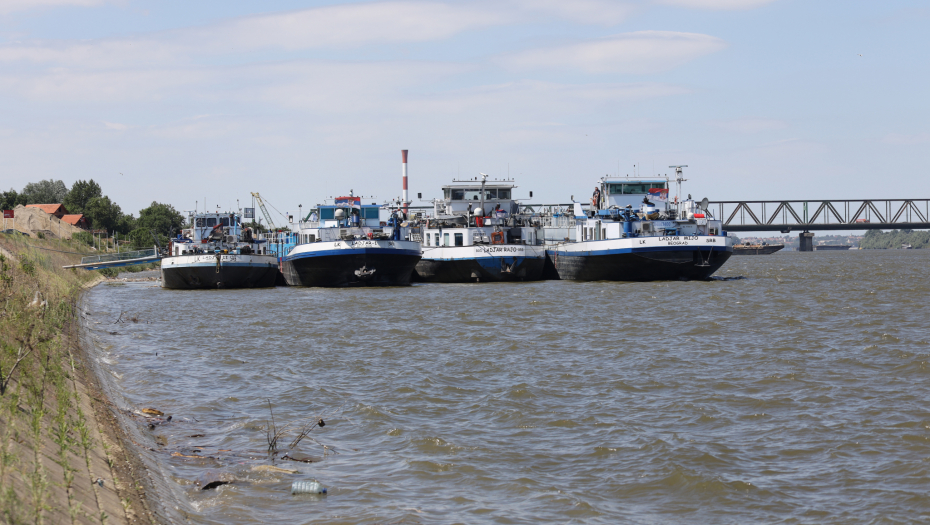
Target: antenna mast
x=679 y=179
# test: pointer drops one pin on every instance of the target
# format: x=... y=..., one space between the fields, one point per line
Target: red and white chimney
x=403 y=154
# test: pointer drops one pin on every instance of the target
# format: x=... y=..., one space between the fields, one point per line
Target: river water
x=793 y=388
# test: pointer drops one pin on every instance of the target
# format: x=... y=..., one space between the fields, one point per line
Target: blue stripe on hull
x=353 y=252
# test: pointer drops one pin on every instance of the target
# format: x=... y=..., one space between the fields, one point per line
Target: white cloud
x=750 y=125
x=347 y=26
x=906 y=140
x=534 y=94
x=641 y=52
x=716 y=4
x=342 y=26
x=9 y=6
x=597 y=12
x=115 y=126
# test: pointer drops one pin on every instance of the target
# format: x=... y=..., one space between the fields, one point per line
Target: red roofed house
x=78 y=220
x=58 y=210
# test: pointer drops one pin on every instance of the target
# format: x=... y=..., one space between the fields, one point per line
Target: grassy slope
x=51 y=448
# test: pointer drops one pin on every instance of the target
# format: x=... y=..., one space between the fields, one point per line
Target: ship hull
x=201 y=272
x=481 y=263
x=351 y=263
x=641 y=259
x=757 y=250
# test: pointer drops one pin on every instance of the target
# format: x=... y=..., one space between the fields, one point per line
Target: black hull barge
x=698 y=263
x=217 y=252
x=352 y=263
x=180 y=274
x=632 y=232
x=482 y=269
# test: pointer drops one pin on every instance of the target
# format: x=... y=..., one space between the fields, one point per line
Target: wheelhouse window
x=211 y=221
x=327 y=213
x=369 y=213
x=639 y=188
x=459 y=239
x=503 y=193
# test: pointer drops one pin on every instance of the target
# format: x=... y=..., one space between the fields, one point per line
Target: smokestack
x=403 y=154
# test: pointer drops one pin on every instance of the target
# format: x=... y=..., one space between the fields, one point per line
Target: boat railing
x=123 y=256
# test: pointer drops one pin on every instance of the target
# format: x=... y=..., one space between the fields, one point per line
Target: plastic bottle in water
x=307 y=487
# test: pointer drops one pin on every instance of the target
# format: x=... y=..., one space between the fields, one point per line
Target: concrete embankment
x=64 y=456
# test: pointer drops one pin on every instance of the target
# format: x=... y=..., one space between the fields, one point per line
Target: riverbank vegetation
x=158 y=220
x=895 y=239
x=46 y=441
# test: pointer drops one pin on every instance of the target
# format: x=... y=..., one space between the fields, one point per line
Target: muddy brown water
x=794 y=388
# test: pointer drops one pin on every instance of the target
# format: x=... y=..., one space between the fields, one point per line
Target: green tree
x=158 y=219
x=125 y=224
x=145 y=238
x=256 y=227
x=162 y=218
x=45 y=192
x=102 y=213
x=81 y=193
x=11 y=199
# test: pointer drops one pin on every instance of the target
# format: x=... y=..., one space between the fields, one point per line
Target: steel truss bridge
x=806 y=215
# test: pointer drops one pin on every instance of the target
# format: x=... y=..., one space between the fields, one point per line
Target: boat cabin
x=463 y=197
x=621 y=192
x=345 y=212
x=203 y=224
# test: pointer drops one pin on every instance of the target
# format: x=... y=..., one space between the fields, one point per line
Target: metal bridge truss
x=785 y=216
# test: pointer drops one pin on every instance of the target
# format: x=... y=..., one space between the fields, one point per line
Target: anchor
x=364 y=273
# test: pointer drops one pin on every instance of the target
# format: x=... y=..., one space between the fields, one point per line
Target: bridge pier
x=805 y=242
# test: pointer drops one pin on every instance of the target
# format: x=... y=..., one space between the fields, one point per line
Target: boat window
x=369 y=213
x=211 y=221
x=436 y=239
x=200 y=222
x=445 y=239
x=459 y=239
x=474 y=194
x=491 y=193
x=446 y=192
x=458 y=195
x=638 y=188
x=503 y=193
x=225 y=221
x=327 y=213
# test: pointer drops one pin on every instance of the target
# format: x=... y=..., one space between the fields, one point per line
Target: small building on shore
x=78 y=220
x=58 y=210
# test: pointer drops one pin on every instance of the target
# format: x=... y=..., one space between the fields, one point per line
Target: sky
x=186 y=102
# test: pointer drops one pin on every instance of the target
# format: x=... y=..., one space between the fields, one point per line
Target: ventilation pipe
x=405 y=201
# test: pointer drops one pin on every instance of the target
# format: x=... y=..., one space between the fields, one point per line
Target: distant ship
x=492 y=242
x=831 y=247
x=756 y=249
x=217 y=252
x=346 y=244
x=628 y=237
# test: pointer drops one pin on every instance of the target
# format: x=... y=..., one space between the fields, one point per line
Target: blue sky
x=178 y=101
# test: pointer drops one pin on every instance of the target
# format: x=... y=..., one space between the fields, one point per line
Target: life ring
x=370 y=235
x=497 y=238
